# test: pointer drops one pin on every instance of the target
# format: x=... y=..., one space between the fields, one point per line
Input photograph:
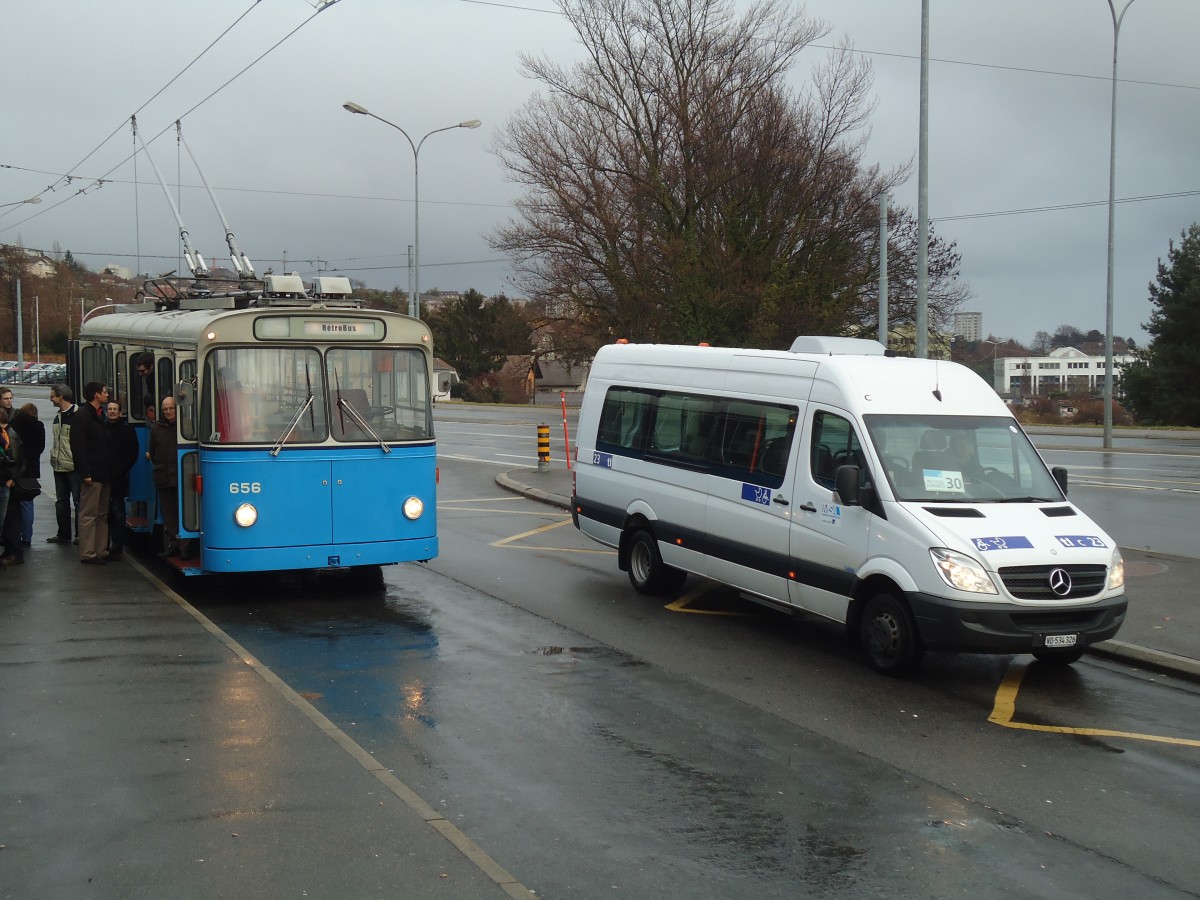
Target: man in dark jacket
x=123 y=446
x=10 y=467
x=33 y=444
x=90 y=453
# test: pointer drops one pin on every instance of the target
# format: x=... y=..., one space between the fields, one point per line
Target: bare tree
x=677 y=189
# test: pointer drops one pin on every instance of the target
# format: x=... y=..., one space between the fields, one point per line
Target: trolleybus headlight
x=413 y=507
x=245 y=515
x=960 y=571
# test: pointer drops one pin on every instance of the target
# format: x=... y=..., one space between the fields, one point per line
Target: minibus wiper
x=292 y=425
x=1027 y=500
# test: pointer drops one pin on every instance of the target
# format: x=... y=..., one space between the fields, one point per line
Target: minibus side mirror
x=1060 y=475
x=846 y=485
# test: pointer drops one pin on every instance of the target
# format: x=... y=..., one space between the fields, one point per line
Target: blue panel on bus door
x=291 y=492
x=369 y=490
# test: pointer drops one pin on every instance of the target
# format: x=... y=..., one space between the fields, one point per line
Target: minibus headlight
x=961 y=572
x=413 y=507
x=1116 y=570
x=245 y=515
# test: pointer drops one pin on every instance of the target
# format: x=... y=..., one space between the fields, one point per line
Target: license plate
x=1061 y=640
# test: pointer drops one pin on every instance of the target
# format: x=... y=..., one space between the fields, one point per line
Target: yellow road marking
x=681 y=606
x=524 y=534
x=1006 y=705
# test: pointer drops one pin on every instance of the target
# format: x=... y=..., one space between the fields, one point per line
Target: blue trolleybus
x=305 y=422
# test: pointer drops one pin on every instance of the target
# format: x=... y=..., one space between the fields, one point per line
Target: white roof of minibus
x=859 y=383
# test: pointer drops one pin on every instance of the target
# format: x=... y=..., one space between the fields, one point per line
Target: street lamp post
x=414 y=303
x=31 y=200
x=1112 y=218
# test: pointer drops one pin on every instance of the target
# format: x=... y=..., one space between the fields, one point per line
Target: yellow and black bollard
x=543 y=447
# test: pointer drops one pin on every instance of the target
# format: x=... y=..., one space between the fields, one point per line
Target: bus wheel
x=647 y=572
x=1058 y=657
x=889 y=636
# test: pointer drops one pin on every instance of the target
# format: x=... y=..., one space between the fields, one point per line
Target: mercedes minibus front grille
x=1037 y=582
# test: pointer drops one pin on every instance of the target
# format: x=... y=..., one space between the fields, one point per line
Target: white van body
x=727 y=463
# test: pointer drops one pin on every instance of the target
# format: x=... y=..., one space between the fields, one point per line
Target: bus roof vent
x=837 y=346
x=283 y=287
x=331 y=287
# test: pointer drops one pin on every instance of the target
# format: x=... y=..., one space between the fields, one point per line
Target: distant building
x=969 y=325
x=1067 y=370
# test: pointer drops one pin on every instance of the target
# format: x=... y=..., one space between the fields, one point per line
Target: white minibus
x=895 y=496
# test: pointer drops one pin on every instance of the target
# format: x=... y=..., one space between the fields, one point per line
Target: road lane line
x=1005 y=706
x=410 y=798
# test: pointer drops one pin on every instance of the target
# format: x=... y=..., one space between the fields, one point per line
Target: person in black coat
x=123 y=447
x=11 y=464
x=33 y=445
x=90 y=453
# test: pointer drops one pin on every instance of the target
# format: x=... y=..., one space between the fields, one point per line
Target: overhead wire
x=99 y=182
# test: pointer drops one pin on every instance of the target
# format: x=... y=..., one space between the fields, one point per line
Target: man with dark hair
x=144 y=363
x=66 y=479
x=90 y=453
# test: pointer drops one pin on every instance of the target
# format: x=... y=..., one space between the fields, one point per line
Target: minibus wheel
x=647 y=572
x=889 y=636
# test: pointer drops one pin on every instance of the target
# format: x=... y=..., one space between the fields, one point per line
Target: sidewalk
x=1161 y=630
x=145 y=755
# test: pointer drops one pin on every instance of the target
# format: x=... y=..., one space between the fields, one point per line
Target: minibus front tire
x=647 y=572
x=888 y=635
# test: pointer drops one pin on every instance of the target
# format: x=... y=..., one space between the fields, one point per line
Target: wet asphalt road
x=598 y=744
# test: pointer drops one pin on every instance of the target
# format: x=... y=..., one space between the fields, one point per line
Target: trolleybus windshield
x=268 y=394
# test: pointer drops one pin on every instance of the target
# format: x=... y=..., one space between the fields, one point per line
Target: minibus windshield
x=960 y=459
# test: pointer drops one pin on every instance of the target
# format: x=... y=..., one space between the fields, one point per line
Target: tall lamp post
x=31 y=200
x=1112 y=218
x=414 y=307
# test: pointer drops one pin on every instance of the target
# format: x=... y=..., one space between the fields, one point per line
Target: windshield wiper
x=1028 y=500
x=355 y=416
x=308 y=404
x=292 y=425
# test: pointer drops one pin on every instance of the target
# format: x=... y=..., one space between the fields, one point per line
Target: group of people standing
x=93 y=448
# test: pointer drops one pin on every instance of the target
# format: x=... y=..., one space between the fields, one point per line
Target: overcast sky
x=1019 y=104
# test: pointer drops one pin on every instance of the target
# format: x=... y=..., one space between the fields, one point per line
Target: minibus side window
x=682 y=427
x=834 y=443
x=754 y=441
x=622 y=420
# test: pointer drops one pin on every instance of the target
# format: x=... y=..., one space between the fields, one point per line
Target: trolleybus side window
x=142 y=403
x=93 y=364
x=164 y=378
x=118 y=390
x=185 y=402
x=256 y=394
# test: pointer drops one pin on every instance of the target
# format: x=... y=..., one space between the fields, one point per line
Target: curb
x=517 y=487
x=1131 y=654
